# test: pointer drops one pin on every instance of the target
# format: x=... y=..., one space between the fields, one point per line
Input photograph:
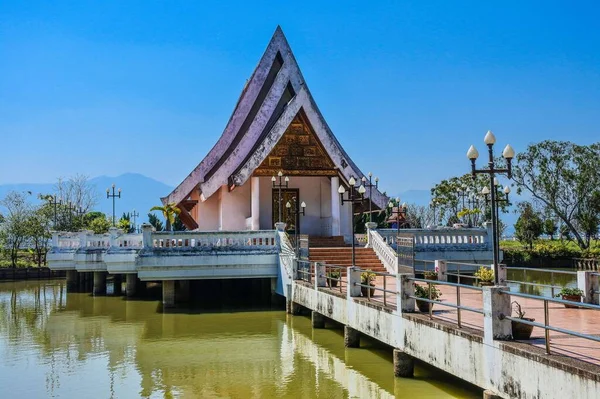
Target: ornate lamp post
x=355 y=196
x=113 y=196
x=53 y=201
x=134 y=215
x=80 y=212
x=296 y=214
x=433 y=205
x=399 y=211
x=508 y=154
x=499 y=200
x=463 y=193
x=283 y=183
x=370 y=186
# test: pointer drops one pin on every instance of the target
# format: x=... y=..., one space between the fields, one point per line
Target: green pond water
x=74 y=345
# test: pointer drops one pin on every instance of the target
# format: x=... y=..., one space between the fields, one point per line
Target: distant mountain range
x=139 y=192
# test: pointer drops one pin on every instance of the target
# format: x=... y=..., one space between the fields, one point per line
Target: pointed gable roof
x=273 y=97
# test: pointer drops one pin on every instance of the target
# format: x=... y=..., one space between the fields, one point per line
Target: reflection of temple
x=276 y=126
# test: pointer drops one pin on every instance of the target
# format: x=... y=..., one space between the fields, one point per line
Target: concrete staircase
x=342 y=256
x=326 y=242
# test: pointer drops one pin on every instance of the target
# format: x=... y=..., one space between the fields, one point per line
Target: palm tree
x=169 y=211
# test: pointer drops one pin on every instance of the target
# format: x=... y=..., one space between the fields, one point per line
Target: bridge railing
x=65 y=240
x=431 y=287
x=424 y=239
x=188 y=240
x=387 y=288
x=547 y=327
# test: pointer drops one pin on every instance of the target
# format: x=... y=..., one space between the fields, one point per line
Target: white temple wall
x=236 y=207
x=315 y=191
x=207 y=214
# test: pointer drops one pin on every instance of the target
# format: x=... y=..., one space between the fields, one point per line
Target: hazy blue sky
x=107 y=87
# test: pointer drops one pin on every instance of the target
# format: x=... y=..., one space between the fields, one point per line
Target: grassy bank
x=516 y=252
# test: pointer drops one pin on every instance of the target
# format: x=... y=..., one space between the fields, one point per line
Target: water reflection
x=547 y=279
x=75 y=345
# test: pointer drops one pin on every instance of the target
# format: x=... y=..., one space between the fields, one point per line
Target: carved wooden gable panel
x=298 y=152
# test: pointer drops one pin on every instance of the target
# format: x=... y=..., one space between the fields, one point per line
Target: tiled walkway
x=586 y=321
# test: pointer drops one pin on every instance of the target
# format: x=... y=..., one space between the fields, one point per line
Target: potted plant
x=423 y=291
x=333 y=278
x=485 y=276
x=521 y=330
x=570 y=294
x=367 y=278
x=430 y=275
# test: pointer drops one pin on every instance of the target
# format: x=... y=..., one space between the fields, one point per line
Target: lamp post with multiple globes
x=492 y=170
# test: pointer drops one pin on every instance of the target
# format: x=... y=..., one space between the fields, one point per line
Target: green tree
x=125 y=223
x=38 y=225
x=550 y=228
x=14 y=227
x=564 y=177
x=178 y=224
x=155 y=222
x=169 y=212
x=100 y=225
x=529 y=225
x=451 y=207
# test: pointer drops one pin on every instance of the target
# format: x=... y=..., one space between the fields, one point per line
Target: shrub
x=367 y=277
x=570 y=291
x=422 y=291
x=485 y=274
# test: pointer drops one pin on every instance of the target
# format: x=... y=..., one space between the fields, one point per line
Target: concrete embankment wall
x=511 y=369
x=24 y=273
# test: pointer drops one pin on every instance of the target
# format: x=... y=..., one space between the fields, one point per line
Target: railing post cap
x=147 y=227
x=371 y=225
x=280 y=226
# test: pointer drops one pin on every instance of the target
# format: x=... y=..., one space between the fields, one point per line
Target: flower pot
x=332 y=283
x=424 y=306
x=486 y=283
x=573 y=298
x=365 y=293
x=520 y=330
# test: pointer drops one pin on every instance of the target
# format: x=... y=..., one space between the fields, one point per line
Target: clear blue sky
x=108 y=87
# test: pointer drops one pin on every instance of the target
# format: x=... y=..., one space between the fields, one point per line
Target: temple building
x=275 y=127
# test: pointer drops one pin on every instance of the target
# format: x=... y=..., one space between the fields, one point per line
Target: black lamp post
x=508 y=154
x=134 y=215
x=370 y=186
x=296 y=214
x=283 y=183
x=433 y=205
x=399 y=210
x=53 y=201
x=499 y=200
x=113 y=196
x=80 y=212
x=71 y=208
x=355 y=196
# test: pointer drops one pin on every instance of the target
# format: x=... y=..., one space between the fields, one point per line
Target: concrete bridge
x=486 y=357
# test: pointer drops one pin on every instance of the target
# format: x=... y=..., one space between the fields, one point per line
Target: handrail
x=374 y=287
x=383 y=251
x=546 y=326
x=456 y=306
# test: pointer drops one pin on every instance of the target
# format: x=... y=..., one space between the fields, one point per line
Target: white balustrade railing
x=430 y=238
x=384 y=252
x=133 y=241
x=65 y=240
x=246 y=239
x=95 y=241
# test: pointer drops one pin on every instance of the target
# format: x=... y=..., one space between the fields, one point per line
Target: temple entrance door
x=287 y=215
